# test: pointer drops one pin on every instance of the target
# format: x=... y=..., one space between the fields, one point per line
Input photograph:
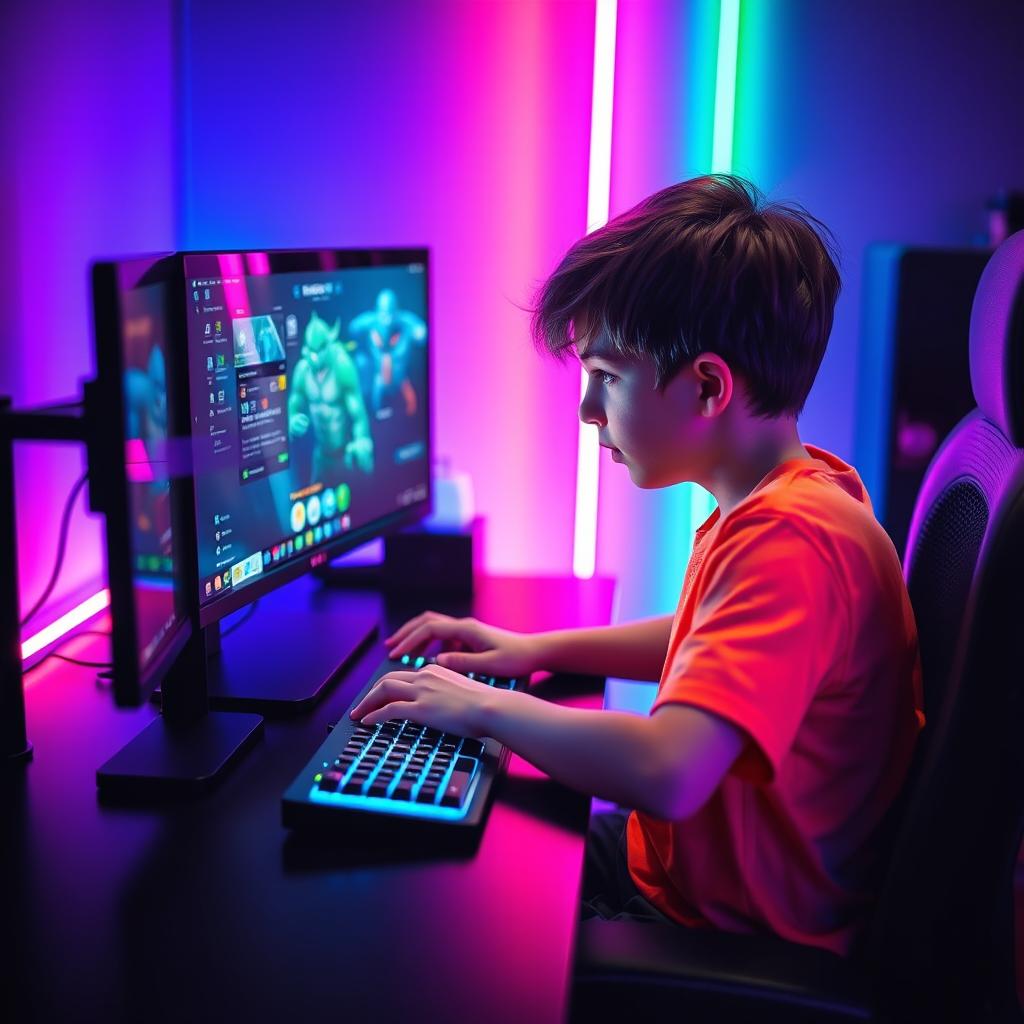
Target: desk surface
x=210 y=910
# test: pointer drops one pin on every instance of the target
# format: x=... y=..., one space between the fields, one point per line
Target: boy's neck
x=753 y=449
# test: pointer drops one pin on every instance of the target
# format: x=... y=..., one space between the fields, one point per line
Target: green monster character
x=325 y=392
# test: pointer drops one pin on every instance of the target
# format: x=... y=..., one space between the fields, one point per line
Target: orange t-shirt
x=794 y=624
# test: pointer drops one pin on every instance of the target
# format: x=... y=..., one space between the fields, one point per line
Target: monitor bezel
x=286 y=261
x=108 y=478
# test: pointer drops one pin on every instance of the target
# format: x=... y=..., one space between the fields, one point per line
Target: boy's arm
x=633 y=650
x=667 y=763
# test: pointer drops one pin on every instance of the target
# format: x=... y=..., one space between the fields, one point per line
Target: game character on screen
x=391 y=334
x=789 y=695
x=145 y=404
x=145 y=398
x=325 y=395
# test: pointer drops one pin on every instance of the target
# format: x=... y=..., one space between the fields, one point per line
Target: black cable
x=240 y=621
x=74 y=661
x=65 y=522
x=86 y=664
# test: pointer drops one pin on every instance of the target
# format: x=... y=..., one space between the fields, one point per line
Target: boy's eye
x=603 y=376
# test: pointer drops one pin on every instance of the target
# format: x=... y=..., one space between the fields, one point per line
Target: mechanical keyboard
x=397 y=775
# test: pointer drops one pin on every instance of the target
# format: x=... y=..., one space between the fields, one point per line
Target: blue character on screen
x=325 y=395
x=391 y=333
x=145 y=398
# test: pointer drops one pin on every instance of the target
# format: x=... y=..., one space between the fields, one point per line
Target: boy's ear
x=716 y=383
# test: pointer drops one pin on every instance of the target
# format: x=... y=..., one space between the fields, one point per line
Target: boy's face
x=660 y=436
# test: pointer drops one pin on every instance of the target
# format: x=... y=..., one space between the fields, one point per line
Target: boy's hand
x=496 y=652
x=436 y=697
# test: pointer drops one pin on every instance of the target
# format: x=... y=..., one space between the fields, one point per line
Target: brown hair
x=703 y=266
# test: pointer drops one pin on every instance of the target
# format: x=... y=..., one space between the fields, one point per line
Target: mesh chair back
x=942 y=931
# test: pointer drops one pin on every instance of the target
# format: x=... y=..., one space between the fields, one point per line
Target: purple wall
x=460 y=125
x=88 y=171
x=465 y=126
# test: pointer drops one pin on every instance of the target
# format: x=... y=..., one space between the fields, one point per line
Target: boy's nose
x=591 y=411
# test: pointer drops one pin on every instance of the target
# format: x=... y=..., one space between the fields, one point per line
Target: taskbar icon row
x=248 y=568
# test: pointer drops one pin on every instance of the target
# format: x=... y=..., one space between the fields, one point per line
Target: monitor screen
x=149 y=486
x=310 y=412
x=134 y=330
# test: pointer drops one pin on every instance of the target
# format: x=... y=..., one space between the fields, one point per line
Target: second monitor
x=310 y=410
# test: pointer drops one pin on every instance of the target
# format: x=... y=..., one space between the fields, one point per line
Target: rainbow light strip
x=584 y=549
x=725 y=86
x=79 y=614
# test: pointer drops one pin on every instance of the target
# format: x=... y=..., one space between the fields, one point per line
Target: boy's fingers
x=407 y=627
x=398 y=709
x=463 y=661
x=434 y=629
x=394 y=686
x=403 y=631
x=418 y=638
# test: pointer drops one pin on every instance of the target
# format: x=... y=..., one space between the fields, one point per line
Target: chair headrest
x=997 y=339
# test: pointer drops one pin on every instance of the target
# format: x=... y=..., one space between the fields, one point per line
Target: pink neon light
x=232 y=271
x=257 y=262
x=137 y=465
x=65 y=623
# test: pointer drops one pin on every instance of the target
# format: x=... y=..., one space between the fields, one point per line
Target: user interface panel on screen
x=309 y=408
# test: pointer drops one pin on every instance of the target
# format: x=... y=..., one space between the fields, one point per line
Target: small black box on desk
x=428 y=559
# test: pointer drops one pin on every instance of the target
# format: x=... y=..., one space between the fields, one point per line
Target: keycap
x=329 y=781
x=471 y=748
x=456 y=790
x=403 y=791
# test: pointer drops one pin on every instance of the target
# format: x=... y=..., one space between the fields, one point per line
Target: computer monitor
x=139 y=456
x=310 y=402
x=131 y=446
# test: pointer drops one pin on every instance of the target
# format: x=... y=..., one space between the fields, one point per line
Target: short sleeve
x=769 y=628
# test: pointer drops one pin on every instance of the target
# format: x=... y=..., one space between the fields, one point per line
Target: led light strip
x=725 y=86
x=79 y=614
x=584 y=549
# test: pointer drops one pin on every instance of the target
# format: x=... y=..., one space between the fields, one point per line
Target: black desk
x=210 y=910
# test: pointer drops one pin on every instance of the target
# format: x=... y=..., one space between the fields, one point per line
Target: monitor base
x=287 y=656
x=167 y=760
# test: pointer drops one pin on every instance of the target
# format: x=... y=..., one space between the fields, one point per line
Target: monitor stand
x=284 y=655
x=188 y=749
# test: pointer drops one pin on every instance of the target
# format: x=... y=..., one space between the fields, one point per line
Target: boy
x=789 y=678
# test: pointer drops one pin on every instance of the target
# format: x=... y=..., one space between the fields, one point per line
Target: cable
x=86 y=664
x=74 y=661
x=65 y=522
